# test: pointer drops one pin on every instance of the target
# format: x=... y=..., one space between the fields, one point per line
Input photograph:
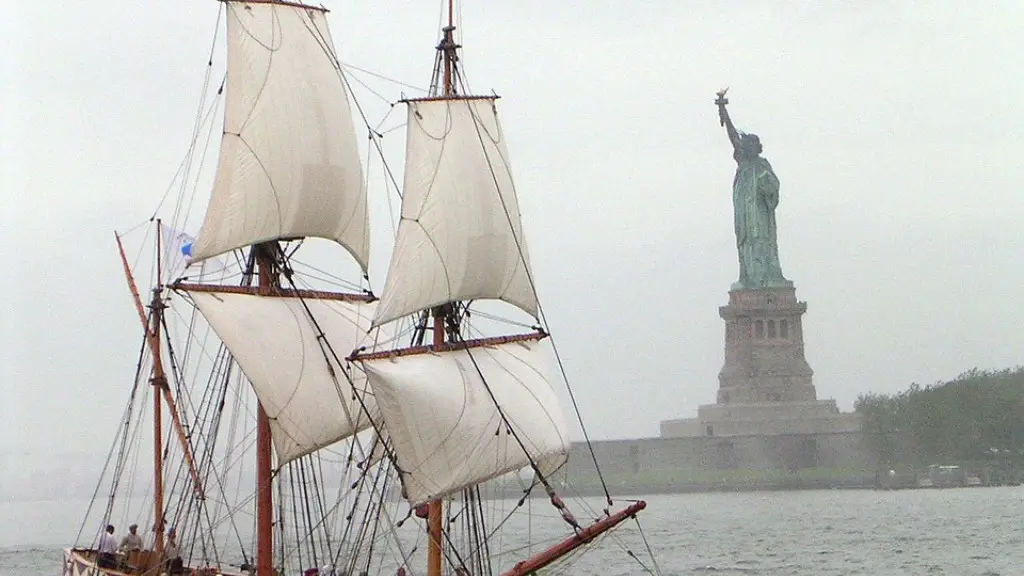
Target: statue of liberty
x=755 y=194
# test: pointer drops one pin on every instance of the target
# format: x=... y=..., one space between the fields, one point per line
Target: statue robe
x=755 y=194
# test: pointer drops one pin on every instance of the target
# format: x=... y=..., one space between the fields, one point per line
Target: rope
x=110 y=453
x=646 y=545
x=382 y=77
x=555 y=501
x=533 y=288
x=323 y=42
x=186 y=162
x=326 y=348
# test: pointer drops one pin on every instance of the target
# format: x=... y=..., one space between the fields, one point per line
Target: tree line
x=979 y=415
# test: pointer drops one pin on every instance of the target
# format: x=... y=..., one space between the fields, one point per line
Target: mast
x=447 y=48
x=441 y=260
x=442 y=84
x=435 y=511
x=159 y=382
x=268 y=280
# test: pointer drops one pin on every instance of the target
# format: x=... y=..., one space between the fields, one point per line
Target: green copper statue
x=755 y=194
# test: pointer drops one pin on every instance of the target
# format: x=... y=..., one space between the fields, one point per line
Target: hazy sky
x=897 y=134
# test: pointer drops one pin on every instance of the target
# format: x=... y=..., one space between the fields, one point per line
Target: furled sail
x=289 y=162
x=274 y=341
x=460 y=236
x=445 y=429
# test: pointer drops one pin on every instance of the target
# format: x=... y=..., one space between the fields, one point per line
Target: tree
x=975 y=415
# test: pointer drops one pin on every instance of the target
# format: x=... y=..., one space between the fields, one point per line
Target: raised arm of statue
x=724 y=120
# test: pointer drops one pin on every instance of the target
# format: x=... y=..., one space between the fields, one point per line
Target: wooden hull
x=83 y=562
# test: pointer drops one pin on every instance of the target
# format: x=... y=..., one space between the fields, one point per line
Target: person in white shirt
x=107 y=549
x=131 y=541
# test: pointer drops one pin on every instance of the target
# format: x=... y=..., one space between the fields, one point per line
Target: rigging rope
x=555 y=501
x=328 y=352
x=187 y=160
x=382 y=77
x=126 y=418
x=540 y=308
x=210 y=411
x=647 y=545
x=323 y=42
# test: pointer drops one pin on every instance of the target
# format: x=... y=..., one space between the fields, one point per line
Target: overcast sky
x=897 y=134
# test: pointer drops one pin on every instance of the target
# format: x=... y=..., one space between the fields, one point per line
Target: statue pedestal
x=764 y=348
x=765 y=386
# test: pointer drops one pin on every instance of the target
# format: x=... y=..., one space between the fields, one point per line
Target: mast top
x=443 y=83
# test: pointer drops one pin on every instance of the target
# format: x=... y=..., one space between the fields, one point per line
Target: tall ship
x=284 y=418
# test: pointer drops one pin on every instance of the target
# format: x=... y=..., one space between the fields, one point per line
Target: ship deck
x=83 y=562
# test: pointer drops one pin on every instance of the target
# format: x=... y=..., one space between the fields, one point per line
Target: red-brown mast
x=448 y=51
x=435 y=509
x=154 y=347
x=159 y=381
x=266 y=262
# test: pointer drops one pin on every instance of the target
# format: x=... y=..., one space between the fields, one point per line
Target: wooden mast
x=441 y=314
x=448 y=52
x=154 y=347
x=435 y=510
x=159 y=382
x=267 y=268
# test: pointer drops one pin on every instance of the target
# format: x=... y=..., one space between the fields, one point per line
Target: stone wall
x=706 y=463
x=766 y=418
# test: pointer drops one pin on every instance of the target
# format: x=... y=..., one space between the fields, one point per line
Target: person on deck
x=107 y=549
x=131 y=542
x=171 y=554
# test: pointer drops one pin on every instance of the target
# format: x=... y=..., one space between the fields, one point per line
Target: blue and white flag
x=178 y=256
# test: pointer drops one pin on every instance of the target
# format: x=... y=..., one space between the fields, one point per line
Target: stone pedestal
x=764 y=348
x=764 y=387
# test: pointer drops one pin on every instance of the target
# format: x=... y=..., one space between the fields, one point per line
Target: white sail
x=289 y=162
x=445 y=430
x=460 y=237
x=275 y=343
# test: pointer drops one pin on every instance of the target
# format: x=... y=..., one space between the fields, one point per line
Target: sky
x=896 y=133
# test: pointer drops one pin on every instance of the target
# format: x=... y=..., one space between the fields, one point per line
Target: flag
x=178 y=256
